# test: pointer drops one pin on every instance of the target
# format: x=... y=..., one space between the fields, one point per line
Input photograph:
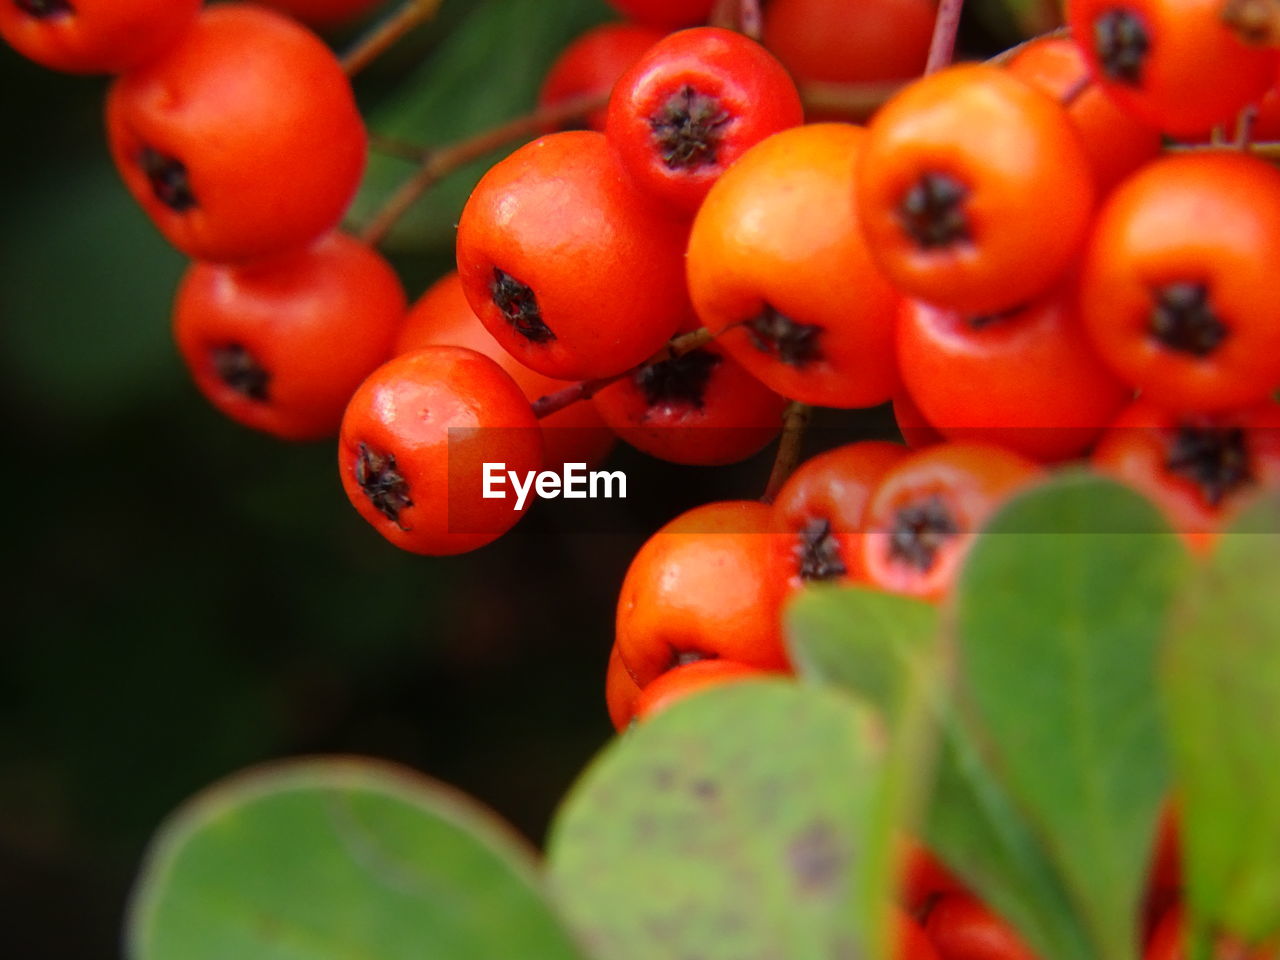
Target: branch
x=383 y=35
x=586 y=389
x=795 y=420
x=437 y=163
x=942 y=47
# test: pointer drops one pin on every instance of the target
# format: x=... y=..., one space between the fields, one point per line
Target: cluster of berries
x=1060 y=257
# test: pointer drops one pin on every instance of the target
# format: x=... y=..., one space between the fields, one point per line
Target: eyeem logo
x=576 y=483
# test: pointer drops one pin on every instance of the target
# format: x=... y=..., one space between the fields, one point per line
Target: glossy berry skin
x=700 y=409
x=686 y=679
x=1178 y=291
x=693 y=104
x=94 y=36
x=821 y=507
x=1199 y=468
x=242 y=140
x=569 y=267
x=1115 y=141
x=927 y=508
x=442 y=317
x=324 y=13
x=778 y=269
x=592 y=64
x=414 y=440
x=705 y=586
x=1027 y=379
x=953 y=219
x=665 y=14
x=281 y=344
x=910 y=942
x=1167 y=943
x=924 y=879
x=620 y=691
x=961 y=928
x=835 y=41
x=1176 y=64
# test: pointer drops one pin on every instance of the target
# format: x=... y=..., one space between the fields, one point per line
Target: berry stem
x=943 y=45
x=383 y=35
x=1265 y=150
x=586 y=389
x=795 y=420
x=436 y=163
x=1244 y=127
x=741 y=15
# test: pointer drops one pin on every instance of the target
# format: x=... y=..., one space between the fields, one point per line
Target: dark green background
x=184 y=597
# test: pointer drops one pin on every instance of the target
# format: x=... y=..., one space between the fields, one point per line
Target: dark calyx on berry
x=687 y=129
x=932 y=212
x=819 y=551
x=682 y=658
x=1215 y=459
x=240 y=370
x=795 y=344
x=920 y=531
x=169 y=181
x=519 y=306
x=1182 y=320
x=386 y=489
x=678 y=382
x=45 y=9
x=1121 y=43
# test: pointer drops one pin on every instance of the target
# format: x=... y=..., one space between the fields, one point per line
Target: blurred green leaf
x=485 y=71
x=729 y=826
x=330 y=859
x=1060 y=610
x=882 y=648
x=868 y=642
x=1222 y=687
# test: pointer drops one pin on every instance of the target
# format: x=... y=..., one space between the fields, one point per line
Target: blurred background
x=184 y=597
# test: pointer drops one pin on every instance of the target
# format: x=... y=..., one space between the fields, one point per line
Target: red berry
x=442 y=317
x=94 y=36
x=688 y=678
x=705 y=586
x=566 y=264
x=691 y=106
x=822 y=506
x=414 y=442
x=243 y=139
x=699 y=408
x=1027 y=379
x=280 y=345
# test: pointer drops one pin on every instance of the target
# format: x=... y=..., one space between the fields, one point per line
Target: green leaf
x=1222 y=687
x=881 y=648
x=871 y=643
x=485 y=71
x=338 y=859
x=729 y=826
x=1060 y=611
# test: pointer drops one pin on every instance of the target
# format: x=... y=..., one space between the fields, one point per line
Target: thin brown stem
x=1268 y=150
x=384 y=34
x=395 y=147
x=437 y=163
x=586 y=389
x=1244 y=127
x=740 y=15
x=795 y=420
x=942 y=47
